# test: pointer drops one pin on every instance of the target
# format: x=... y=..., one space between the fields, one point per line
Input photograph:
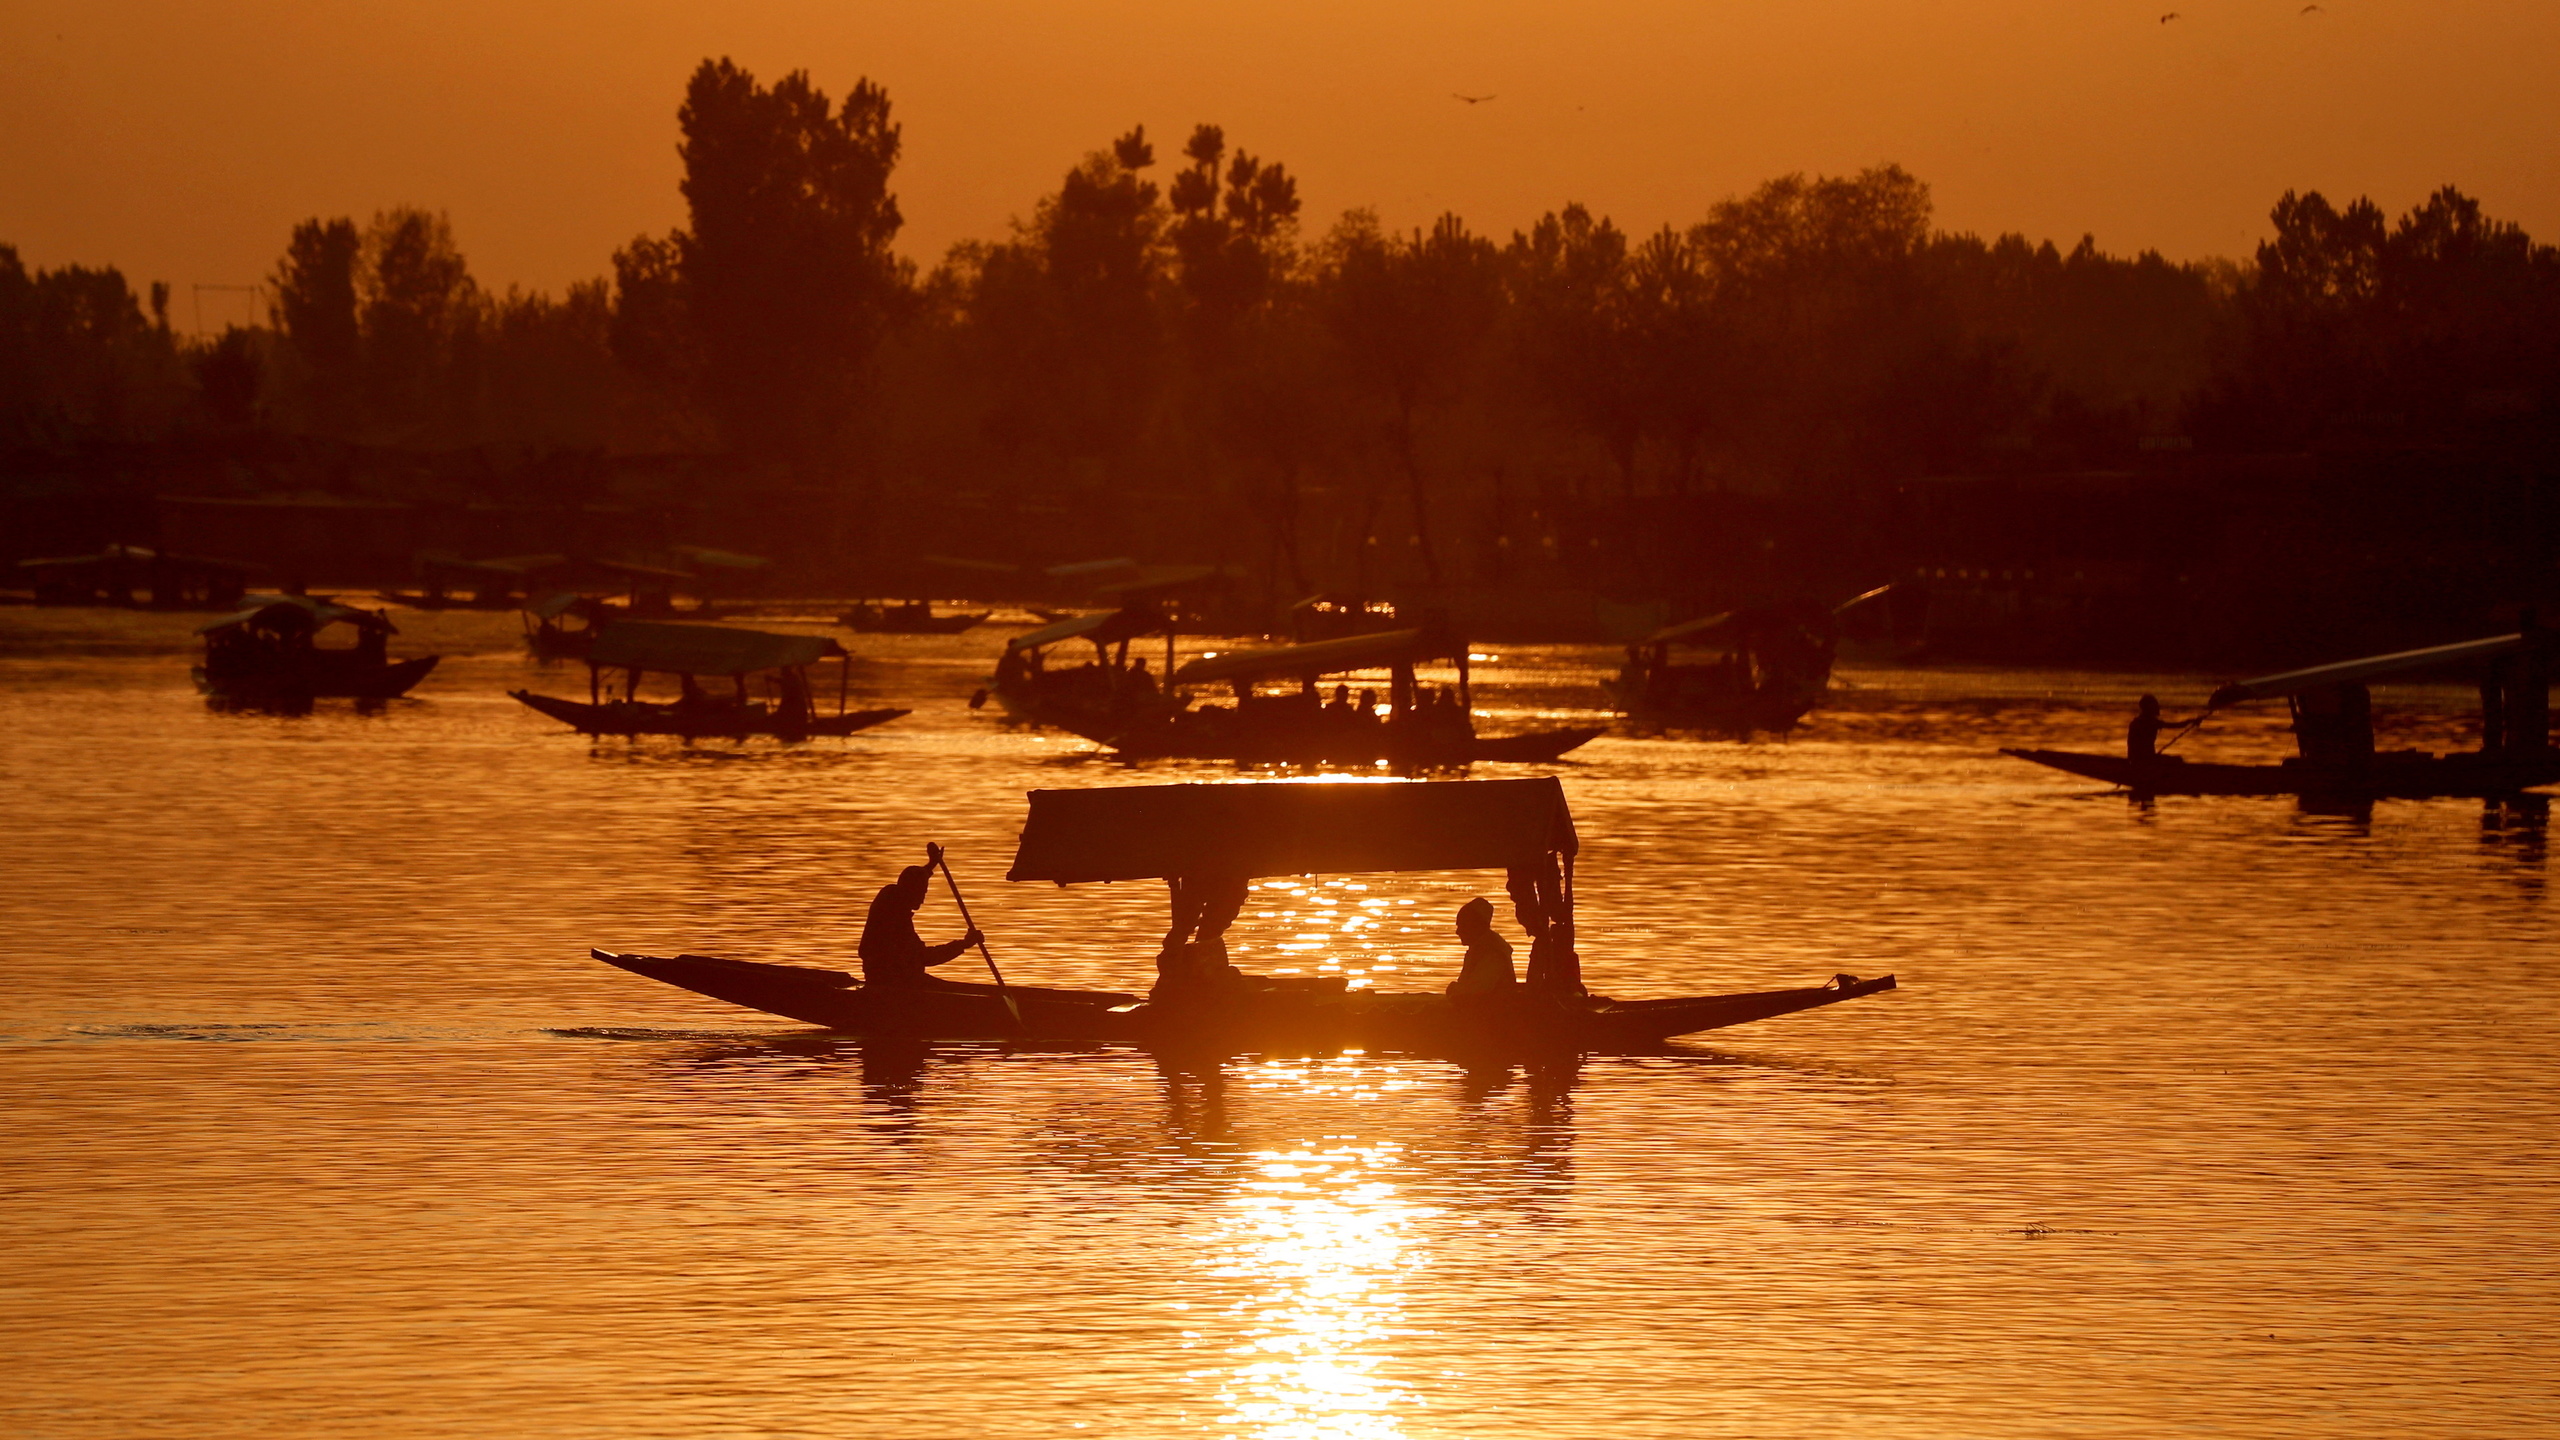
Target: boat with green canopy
x=2333 y=726
x=631 y=650
x=1208 y=843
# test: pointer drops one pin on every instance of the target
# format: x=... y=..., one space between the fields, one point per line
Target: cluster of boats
x=1358 y=700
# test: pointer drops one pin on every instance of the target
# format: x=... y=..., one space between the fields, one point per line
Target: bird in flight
x=1471 y=99
x=2172 y=15
x=2312 y=10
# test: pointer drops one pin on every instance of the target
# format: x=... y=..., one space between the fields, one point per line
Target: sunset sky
x=181 y=141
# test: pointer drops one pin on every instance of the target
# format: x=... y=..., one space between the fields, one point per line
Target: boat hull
x=872 y=622
x=1283 y=1017
x=313 y=675
x=2388 y=777
x=624 y=717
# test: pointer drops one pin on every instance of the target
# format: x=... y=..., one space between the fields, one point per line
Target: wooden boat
x=1278 y=1015
x=2332 y=721
x=2391 y=775
x=564 y=624
x=689 y=652
x=914 y=618
x=1771 y=666
x=1185 y=834
x=268 y=654
x=1414 y=728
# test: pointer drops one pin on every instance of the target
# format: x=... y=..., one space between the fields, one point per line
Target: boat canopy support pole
x=844 y=681
x=1466 y=695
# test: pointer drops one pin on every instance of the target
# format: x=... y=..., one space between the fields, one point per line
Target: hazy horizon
x=183 y=147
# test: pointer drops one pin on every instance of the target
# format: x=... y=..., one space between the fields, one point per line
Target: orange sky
x=181 y=140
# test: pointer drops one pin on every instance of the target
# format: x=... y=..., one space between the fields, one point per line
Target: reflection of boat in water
x=1201 y=837
x=690 y=652
x=268 y=653
x=915 y=617
x=2333 y=726
x=1771 y=664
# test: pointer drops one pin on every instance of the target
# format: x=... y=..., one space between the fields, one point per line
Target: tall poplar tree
x=788 y=276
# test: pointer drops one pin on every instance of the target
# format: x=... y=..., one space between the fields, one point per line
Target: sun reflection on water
x=1321 y=1238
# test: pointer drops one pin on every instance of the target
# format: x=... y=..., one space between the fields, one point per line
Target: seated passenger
x=1487 y=968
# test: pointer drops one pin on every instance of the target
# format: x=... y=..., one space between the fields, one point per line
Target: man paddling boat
x=893 y=955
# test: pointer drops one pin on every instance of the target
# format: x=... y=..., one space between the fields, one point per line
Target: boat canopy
x=982 y=567
x=2369 y=668
x=1854 y=601
x=296 y=612
x=1157 y=579
x=1689 y=631
x=703 y=649
x=1102 y=627
x=554 y=605
x=511 y=567
x=1323 y=657
x=1291 y=828
x=1092 y=569
x=630 y=571
x=134 y=554
x=720 y=559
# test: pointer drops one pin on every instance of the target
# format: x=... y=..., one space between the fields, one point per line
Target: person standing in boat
x=1487 y=970
x=893 y=954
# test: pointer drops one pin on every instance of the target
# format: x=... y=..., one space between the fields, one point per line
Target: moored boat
x=1201 y=837
x=916 y=617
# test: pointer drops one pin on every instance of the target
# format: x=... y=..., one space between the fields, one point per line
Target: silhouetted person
x=2334 y=724
x=1487 y=969
x=1193 y=958
x=2142 y=737
x=893 y=955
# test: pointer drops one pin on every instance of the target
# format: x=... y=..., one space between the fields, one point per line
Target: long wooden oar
x=2183 y=732
x=935 y=853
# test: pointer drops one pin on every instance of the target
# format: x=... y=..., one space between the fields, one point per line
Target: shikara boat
x=268 y=653
x=1191 y=834
x=1766 y=667
x=2332 y=721
x=638 y=648
x=914 y=618
x=1413 y=727
x=564 y=624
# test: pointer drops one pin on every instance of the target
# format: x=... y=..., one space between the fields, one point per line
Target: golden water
x=2216 y=1117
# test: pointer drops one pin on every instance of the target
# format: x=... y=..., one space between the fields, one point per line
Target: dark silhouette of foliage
x=787 y=271
x=315 y=306
x=228 y=374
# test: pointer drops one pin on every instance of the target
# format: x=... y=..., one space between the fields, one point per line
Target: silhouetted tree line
x=1161 y=351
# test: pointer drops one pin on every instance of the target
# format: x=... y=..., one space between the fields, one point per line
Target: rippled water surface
x=2216 y=1117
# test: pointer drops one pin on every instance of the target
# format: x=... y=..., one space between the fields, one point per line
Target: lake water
x=2214 y=1117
